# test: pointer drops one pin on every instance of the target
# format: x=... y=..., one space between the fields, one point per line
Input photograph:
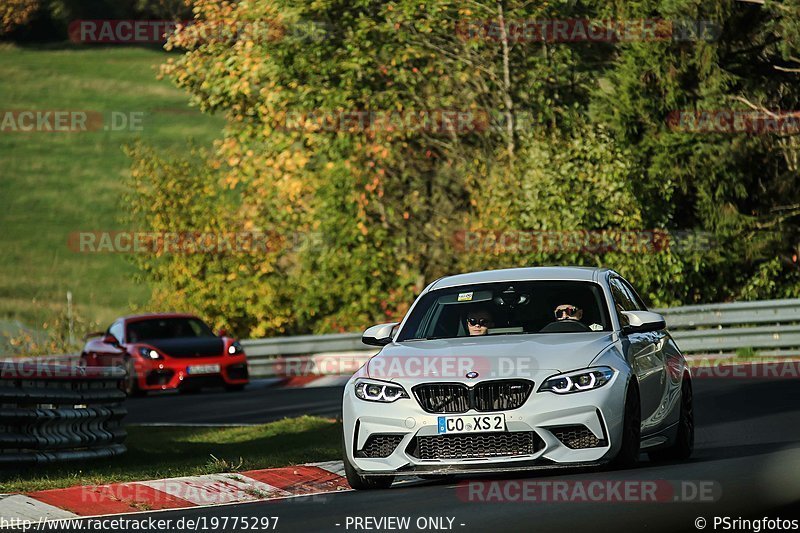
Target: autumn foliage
x=14 y=13
x=336 y=144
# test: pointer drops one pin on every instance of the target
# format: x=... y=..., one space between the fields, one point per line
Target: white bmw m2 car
x=513 y=370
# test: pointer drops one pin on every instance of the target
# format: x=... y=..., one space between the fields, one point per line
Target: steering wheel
x=565 y=326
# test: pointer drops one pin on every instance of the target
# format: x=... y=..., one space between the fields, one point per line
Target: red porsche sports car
x=168 y=351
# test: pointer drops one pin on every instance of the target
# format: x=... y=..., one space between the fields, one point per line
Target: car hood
x=501 y=356
x=187 y=346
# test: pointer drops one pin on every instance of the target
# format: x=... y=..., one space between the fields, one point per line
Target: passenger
x=479 y=322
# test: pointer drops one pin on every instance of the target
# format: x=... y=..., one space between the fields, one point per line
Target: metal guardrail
x=764 y=325
x=307 y=355
x=305 y=345
x=715 y=315
x=57 y=413
x=726 y=339
x=769 y=326
x=293 y=356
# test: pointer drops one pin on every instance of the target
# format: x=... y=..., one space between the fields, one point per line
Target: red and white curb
x=176 y=493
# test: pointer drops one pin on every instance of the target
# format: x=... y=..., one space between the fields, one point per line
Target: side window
x=117 y=330
x=197 y=329
x=622 y=300
x=634 y=296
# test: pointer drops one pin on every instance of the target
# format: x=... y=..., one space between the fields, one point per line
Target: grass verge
x=57 y=183
x=163 y=452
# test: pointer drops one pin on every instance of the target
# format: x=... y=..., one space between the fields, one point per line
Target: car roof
x=569 y=273
x=136 y=318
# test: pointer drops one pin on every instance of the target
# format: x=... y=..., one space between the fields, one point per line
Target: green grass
x=52 y=184
x=163 y=452
x=745 y=353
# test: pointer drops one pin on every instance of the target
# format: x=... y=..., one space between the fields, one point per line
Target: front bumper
x=173 y=372
x=545 y=415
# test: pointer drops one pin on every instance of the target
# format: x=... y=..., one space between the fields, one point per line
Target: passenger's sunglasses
x=566 y=311
x=482 y=322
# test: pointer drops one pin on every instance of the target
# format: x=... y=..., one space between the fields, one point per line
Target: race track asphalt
x=747 y=455
x=257 y=404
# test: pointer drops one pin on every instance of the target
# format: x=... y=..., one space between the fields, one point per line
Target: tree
x=742 y=187
x=14 y=13
x=386 y=130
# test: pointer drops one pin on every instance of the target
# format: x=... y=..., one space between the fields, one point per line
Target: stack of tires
x=54 y=412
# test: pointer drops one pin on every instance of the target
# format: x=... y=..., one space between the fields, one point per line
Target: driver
x=568 y=312
x=479 y=321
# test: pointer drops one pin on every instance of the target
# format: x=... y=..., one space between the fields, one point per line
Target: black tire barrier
x=52 y=413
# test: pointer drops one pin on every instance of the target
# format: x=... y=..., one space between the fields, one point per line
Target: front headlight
x=149 y=353
x=578 y=381
x=235 y=348
x=379 y=391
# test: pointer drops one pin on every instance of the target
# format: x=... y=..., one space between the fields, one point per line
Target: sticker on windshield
x=595 y=327
x=464 y=296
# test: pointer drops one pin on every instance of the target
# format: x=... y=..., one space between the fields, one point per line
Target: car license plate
x=202 y=369
x=472 y=423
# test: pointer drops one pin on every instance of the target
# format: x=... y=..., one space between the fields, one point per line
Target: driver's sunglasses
x=482 y=322
x=566 y=311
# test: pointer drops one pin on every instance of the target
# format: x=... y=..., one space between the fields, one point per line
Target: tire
x=631 y=436
x=234 y=388
x=683 y=446
x=131 y=383
x=361 y=482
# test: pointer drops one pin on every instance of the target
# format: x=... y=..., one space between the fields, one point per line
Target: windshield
x=167 y=328
x=508 y=308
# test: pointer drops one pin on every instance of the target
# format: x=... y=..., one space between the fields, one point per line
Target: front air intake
x=577 y=437
x=475 y=445
x=380 y=445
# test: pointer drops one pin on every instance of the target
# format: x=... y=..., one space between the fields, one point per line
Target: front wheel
x=631 y=430
x=683 y=446
x=131 y=383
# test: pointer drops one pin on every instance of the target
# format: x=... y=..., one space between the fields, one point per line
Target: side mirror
x=111 y=339
x=643 y=321
x=379 y=335
x=222 y=332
